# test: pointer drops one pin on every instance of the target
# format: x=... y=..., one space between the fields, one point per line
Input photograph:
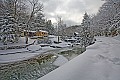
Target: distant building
x=40 y=33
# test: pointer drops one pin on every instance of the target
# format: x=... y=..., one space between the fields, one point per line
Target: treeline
x=107 y=20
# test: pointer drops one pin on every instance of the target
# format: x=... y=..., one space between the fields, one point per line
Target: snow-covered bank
x=13 y=57
x=101 y=61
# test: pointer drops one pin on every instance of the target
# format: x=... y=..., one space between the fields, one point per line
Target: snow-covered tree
x=38 y=23
x=17 y=9
x=49 y=27
x=105 y=18
x=8 y=29
x=87 y=37
x=114 y=29
x=60 y=27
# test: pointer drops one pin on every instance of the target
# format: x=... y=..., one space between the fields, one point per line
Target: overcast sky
x=71 y=11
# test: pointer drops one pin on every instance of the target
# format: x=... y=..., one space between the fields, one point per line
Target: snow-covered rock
x=60 y=45
x=60 y=60
x=34 y=47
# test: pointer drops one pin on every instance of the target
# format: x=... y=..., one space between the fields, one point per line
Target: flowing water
x=36 y=67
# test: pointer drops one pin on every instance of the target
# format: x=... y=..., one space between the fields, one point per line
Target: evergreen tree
x=39 y=22
x=87 y=37
x=49 y=27
x=8 y=29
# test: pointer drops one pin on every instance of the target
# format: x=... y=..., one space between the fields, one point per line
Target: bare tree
x=36 y=7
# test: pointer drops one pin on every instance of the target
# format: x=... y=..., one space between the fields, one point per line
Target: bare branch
x=36 y=7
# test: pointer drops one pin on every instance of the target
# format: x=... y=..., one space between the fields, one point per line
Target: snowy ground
x=101 y=61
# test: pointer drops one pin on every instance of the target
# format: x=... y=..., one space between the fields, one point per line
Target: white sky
x=71 y=11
